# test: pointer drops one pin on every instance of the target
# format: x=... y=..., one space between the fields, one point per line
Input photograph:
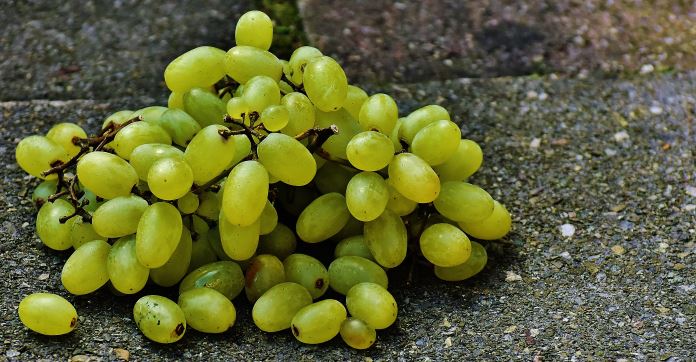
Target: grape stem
x=227 y=85
x=296 y=88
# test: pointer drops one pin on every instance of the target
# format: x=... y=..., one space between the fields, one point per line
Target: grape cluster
x=251 y=153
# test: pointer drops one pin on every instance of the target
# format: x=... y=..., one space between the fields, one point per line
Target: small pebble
x=510 y=329
x=567 y=230
x=535 y=143
x=122 y=354
x=656 y=110
x=448 y=342
x=647 y=69
x=691 y=191
x=621 y=136
x=43 y=276
x=512 y=277
x=618 y=249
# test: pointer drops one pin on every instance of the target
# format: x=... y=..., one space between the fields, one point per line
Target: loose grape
x=170 y=178
x=463 y=202
x=198 y=67
x=245 y=194
x=445 y=245
x=36 y=154
x=119 y=216
x=373 y=304
x=63 y=134
x=308 y=272
x=207 y=310
x=378 y=113
x=323 y=218
x=414 y=178
x=437 y=142
x=357 y=334
x=244 y=62
x=494 y=227
x=325 y=83
x=472 y=266
x=85 y=270
x=51 y=232
x=347 y=271
x=287 y=159
x=224 y=276
x=387 y=239
x=159 y=318
x=465 y=161
x=176 y=267
x=47 y=314
x=370 y=151
x=318 y=322
x=255 y=29
x=263 y=272
x=274 y=310
x=106 y=175
x=158 y=234
x=366 y=196
x=127 y=275
x=280 y=242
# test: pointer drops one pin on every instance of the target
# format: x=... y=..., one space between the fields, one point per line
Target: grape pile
x=252 y=153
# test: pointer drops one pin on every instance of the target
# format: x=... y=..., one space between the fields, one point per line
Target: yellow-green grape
x=287 y=159
x=378 y=113
x=85 y=270
x=245 y=62
x=209 y=205
x=255 y=29
x=242 y=147
x=35 y=154
x=301 y=115
x=117 y=118
x=82 y=232
x=136 y=134
x=188 y=204
x=465 y=161
x=347 y=271
x=106 y=175
x=325 y=83
x=159 y=318
x=224 y=276
x=245 y=194
x=354 y=100
x=436 y=142
x=366 y=196
x=63 y=134
x=298 y=61
x=170 y=178
x=199 y=225
x=176 y=267
x=318 y=322
x=333 y=177
x=472 y=266
x=49 y=228
x=394 y=136
x=373 y=304
x=420 y=118
x=207 y=310
x=275 y=117
x=387 y=239
x=280 y=242
x=285 y=87
x=308 y=272
x=263 y=272
x=239 y=242
x=494 y=227
x=268 y=219
x=414 y=178
x=41 y=193
x=205 y=107
x=199 y=153
x=274 y=310
x=199 y=67
x=370 y=151
x=357 y=334
x=353 y=246
x=180 y=126
x=126 y=273
x=145 y=155
x=237 y=107
x=47 y=314
x=463 y=202
x=152 y=114
x=201 y=252
x=323 y=218
x=399 y=204
x=176 y=100
x=445 y=245
x=119 y=216
x=261 y=92
x=159 y=231
x=347 y=126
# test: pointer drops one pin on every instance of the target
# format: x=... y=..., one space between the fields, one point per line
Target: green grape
x=263 y=272
x=159 y=318
x=463 y=202
x=127 y=275
x=347 y=271
x=244 y=62
x=287 y=159
x=298 y=61
x=188 y=204
x=366 y=196
x=170 y=178
x=325 y=83
x=353 y=246
x=180 y=126
x=136 y=134
x=280 y=242
x=301 y=115
x=47 y=314
x=144 y=156
x=207 y=310
x=261 y=92
x=152 y=114
x=399 y=204
x=394 y=136
x=378 y=113
x=465 y=161
x=387 y=239
x=494 y=227
x=357 y=334
x=224 y=276
x=245 y=193
x=201 y=252
x=239 y=242
x=274 y=310
x=268 y=219
x=437 y=142
x=255 y=29
x=413 y=178
x=158 y=235
x=242 y=151
x=205 y=143
x=63 y=134
x=176 y=100
x=85 y=270
x=205 y=107
x=176 y=267
x=275 y=117
x=82 y=232
x=106 y=175
x=51 y=232
x=308 y=272
x=353 y=227
x=209 y=205
x=347 y=126
x=420 y=118
x=237 y=107
x=199 y=225
x=472 y=266
x=35 y=154
x=199 y=67
x=370 y=151
x=445 y=245
x=43 y=191
x=318 y=322
x=333 y=177
x=117 y=118
x=285 y=87
x=373 y=304
x=354 y=100
x=119 y=216
x=323 y=218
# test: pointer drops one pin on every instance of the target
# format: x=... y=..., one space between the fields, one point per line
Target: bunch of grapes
x=252 y=153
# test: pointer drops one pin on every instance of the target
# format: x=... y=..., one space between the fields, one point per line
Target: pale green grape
x=354 y=100
x=323 y=218
x=91 y=200
x=180 y=126
x=152 y=114
x=274 y=310
x=413 y=178
x=35 y=154
x=176 y=100
x=224 y=276
x=394 y=136
x=204 y=144
x=85 y=270
x=378 y=113
x=245 y=194
x=465 y=161
x=201 y=252
x=366 y=196
x=176 y=267
x=353 y=246
x=158 y=235
x=347 y=271
x=463 y=202
x=268 y=219
x=436 y=142
x=387 y=239
x=119 y=216
x=285 y=87
x=237 y=107
x=199 y=67
x=261 y=92
x=494 y=227
x=308 y=272
x=239 y=242
x=398 y=203
x=275 y=117
x=63 y=134
x=209 y=205
x=82 y=232
x=287 y=159
x=301 y=113
x=188 y=204
x=136 y=134
x=255 y=29
x=298 y=61
x=280 y=242
x=420 y=118
x=127 y=275
x=47 y=314
x=373 y=304
x=117 y=118
x=170 y=178
x=318 y=322
x=106 y=175
x=159 y=318
x=242 y=147
x=472 y=266
x=370 y=151
x=445 y=245
x=205 y=107
x=325 y=83
x=145 y=155
x=199 y=225
x=333 y=177
x=263 y=272
x=357 y=334
x=51 y=232
x=347 y=126
x=41 y=193
x=207 y=310
x=244 y=62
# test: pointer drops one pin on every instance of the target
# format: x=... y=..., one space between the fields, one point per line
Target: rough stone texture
x=382 y=40
x=614 y=158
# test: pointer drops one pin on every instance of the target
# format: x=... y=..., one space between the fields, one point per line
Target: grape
x=41 y=193
x=420 y=118
x=261 y=92
x=159 y=318
x=188 y=204
x=239 y=242
x=347 y=126
x=51 y=232
x=318 y=322
x=244 y=62
x=205 y=143
x=209 y=205
x=255 y=29
x=237 y=107
x=245 y=194
x=180 y=126
x=465 y=161
x=198 y=67
x=352 y=228
x=275 y=117
x=494 y=227
x=378 y=113
x=347 y=271
x=117 y=118
x=176 y=100
x=325 y=83
x=413 y=178
x=119 y=216
x=394 y=136
x=263 y=272
x=463 y=202
x=274 y=310
x=242 y=147
x=373 y=304
x=353 y=246
x=308 y=272
x=205 y=107
x=280 y=242
x=63 y=135
x=298 y=61
x=354 y=100
x=301 y=115
x=151 y=114
x=159 y=231
x=268 y=219
x=224 y=276
x=445 y=245
x=127 y=275
x=366 y=196
x=85 y=270
x=170 y=178
x=472 y=266
x=89 y=200
x=207 y=310
x=199 y=225
x=398 y=203
x=333 y=177
x=370 y=151
x=82 y=232
x=176 y=267
x=106 y=175
x=357 y=334
x=136 y=134
x=47 y=314
x=437 y=142
x=287 y=159
x=35 y=154
x=387 y=239
x=201 y=253
x=323 y=218
x=145 y=155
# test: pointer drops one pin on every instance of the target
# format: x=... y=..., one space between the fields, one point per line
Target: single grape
x=41 y=193
x=85 y=270
x=437 y=142
x=353 y=246
x=205 y=107
x=298 y=61
x=472 y=266
x=463 y=202
x=244 y=62
x=378 y=113
x=152 y=114
x=399 y=204
x=268 y=219
x=275 y=117
x=119 y=216
x=370 y=151
x=36 y=154
x=242 y=147
x=51 y=232
x=126 y=274
x=239 y=242
x=205 y=143
x=63 y=134
x=255 y=29
x=159 y=318
x=245 y=194
x=263 y=272
x=260 y=92
x=274 y=310
x=357 y=334
x=323 y=218
x=420 y=118
x=237 y=108
x=145 y=155
x=465 y=161
x=170 y=178
x=176 y=100
x=199 y=67
x=347 y=126
x=414 y=178
x=207 y=310
x=179 y=125
x=82 y=232
x=354 y=100
x=158 y=234
x=387 y=239
x=318 y=322
x=333 y=177
x=287 y=159
x=106 y=175
x=325 y=83
x=209 y=205
x=47 y=314
x=445 y=245
x=136 y=134
x=301 y=115
x=366 y=196
x=347 y=271
x=280 y=242
x=224 y=276
x=373 y=304
x=201 y=252
x=494 y=227
x=188 y=204
x=176 y=267
x=117 y=118
x=308 y=272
